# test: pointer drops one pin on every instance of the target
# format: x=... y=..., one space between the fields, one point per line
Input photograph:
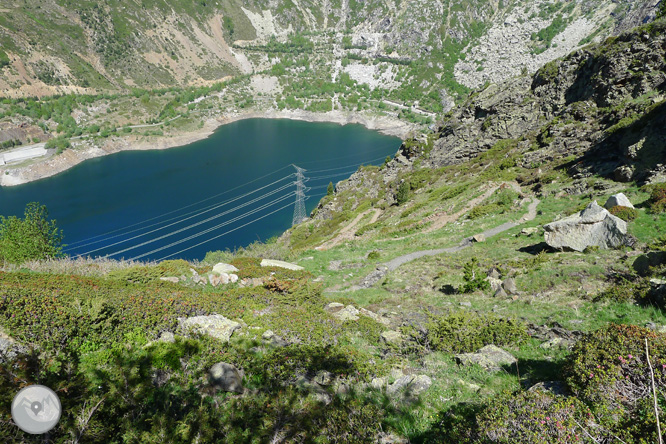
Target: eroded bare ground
x=347 y=233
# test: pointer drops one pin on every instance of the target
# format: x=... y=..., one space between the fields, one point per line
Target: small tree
x=403 y=193
x=474 y=278
x=33 y=237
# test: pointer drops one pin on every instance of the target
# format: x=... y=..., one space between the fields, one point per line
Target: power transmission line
x=208 y=230
x=190 y=217
x=225 y=233
x=186 y=206
x=181 y=217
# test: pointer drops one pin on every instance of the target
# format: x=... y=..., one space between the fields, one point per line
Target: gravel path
x=383 y=269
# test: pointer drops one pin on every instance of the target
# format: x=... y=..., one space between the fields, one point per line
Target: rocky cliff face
x=604 y=103
x=426 y=48
x=600 y=110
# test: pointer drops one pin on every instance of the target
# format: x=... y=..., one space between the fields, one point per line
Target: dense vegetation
x=32 y=238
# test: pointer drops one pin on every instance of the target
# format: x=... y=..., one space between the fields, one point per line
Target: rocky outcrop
x=489 y=357
x=594 y=226
x=215 y=325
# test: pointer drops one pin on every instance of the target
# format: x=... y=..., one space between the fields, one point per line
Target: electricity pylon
x=299 y=205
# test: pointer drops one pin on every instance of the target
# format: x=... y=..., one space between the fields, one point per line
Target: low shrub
x=657 y=200
x=624 y=291
x=625 y=213
x=474 y=277
x=609 y=364
x=481 y=211
x=608 y=369
x=367 y=328
x=467 y=332
x=143 y=274
x=536 y=417
x=369 y=227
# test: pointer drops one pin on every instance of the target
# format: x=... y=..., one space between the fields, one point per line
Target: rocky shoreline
x=89 y=149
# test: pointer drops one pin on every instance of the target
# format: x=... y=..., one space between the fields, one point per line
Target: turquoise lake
x=226 y=191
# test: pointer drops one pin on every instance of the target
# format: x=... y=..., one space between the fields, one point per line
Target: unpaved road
x=383 y=269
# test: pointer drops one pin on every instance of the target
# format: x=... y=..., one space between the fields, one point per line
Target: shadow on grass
x=537 y=248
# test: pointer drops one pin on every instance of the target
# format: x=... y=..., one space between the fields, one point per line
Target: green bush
x=402 y=195
x=624 y=213
x=657 y=200
x=32 y=238
x=535 y=417
x=143 y=274
x=466 y=332
x=4 y=59
x=481 y=210
x=624 y=291
x=60 y=143
x=474 y=277
x=367 y=328
x=608 y=370
x=368 y=227
x=606 y=360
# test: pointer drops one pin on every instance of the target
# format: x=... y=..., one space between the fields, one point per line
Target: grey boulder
x=489 y=357
x=225 y=377
x=618 y=199
x=594 y=226
x=412 y=385
x=224 y=268
x=215 y=325
x=9 y=348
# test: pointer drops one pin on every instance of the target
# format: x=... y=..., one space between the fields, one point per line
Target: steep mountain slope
x=599 y=112
x=423 y=51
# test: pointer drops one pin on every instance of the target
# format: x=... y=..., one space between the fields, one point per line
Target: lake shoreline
x=85 y=149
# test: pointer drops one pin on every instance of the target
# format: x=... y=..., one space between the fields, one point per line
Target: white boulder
x=618 y=199
x=594 y=226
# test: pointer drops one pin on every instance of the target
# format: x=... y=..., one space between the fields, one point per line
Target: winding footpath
x=383 y=269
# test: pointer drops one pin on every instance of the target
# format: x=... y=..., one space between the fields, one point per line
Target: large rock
x=489 y=357
x=216 y=326
x=281 y=264
x=224 y=268
x=392 y=337
x=349 y=313
x=9 y=348
x=225 y=377
x=509 y=286
x=618 y=199
x=594 y=226
x=374 y=316
x=412 y=385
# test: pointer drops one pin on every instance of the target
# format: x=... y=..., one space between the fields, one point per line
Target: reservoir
x=227 y=191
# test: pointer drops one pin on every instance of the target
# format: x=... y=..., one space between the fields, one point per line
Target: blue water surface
x=226 y=191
